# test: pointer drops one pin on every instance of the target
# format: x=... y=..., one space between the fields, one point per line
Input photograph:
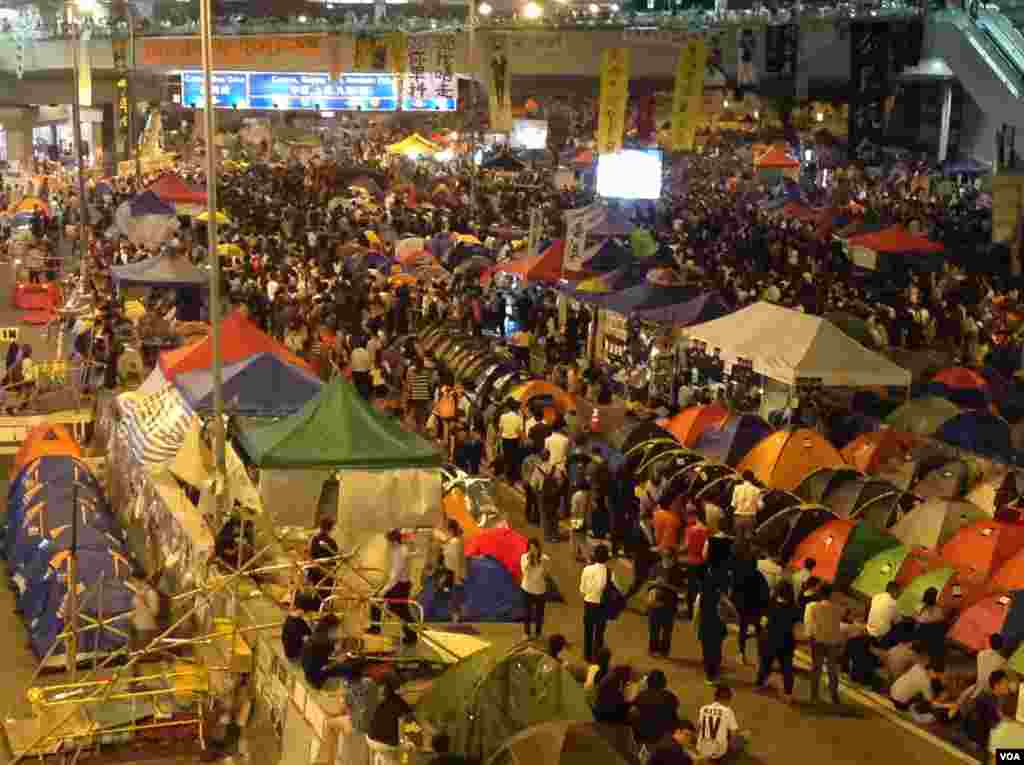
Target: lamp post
x=206 y=33
x=76 y=127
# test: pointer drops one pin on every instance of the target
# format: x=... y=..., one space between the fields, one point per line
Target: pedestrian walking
x=535 y=588
x=778 y=640
x=823 y=621
x=594 y=581
x=663 y=602
x=711 y=630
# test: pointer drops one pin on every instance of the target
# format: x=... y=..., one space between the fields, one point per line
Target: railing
x=985 y=39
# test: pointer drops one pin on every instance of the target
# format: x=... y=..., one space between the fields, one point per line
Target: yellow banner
x=611 y=117
x=688 y=99
x=84 y=73
x=239 y=52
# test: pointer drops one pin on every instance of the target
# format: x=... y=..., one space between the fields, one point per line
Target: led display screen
x=292 y=90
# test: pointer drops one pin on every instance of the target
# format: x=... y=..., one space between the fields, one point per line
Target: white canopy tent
x=790 y=347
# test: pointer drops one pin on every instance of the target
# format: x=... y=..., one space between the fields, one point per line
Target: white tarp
x=292 y=496
x=788 y=346
x=372 y=502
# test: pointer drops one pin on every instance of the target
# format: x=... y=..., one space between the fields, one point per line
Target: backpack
x=612 y=599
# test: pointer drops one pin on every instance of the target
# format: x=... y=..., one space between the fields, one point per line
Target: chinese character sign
x=688 y=98
x=611 y=118
x=418 y=54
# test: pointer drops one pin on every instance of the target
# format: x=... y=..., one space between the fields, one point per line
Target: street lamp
x=533 y=11
x=73 y=16
x=484 y=9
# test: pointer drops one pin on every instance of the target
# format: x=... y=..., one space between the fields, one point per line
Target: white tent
x=790 y=346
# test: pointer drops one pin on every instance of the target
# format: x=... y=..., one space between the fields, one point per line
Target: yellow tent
x=413 y=146
x=230 y=250
x=785 y=458
x=29 y=204
x=221 y=217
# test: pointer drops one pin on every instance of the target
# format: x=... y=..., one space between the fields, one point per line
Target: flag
x=611 y=118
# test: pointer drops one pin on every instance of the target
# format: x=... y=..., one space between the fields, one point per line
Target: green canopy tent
x=864 y=543
x=387 y=477
x=492 y=695
x=879 y=571
x=339 y=430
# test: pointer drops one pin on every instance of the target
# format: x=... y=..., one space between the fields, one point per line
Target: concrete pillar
x=19 y=144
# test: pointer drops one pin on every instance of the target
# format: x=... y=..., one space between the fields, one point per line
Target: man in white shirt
x=510 y=429
x=557 y=446
x=746 y=501
x=272 y=287
x=916 y=683
x=397 y=588
x=717 y=729
x=593 y=581
x=883 y=613
x=989 y=660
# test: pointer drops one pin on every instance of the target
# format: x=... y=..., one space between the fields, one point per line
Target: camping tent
x=731 y=440
x=781 y=533
x=982 y=547
x=870 y=450
x=785 y=458
x=688 y=426
x=502 y=544
x=825 y=545
x=494 y=694
x=787 y=346
x=413 y=146
x=489 y=594
x=934 y=522
x=1002 y=613
x=569 y=743
x=821 y=483
x=260 y=385
x=979 y=432
x=964 y=387
x=160 y=271
x=879 y=570
x=45 y=439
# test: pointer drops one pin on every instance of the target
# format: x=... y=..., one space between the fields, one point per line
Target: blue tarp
x=94 y=564
x=979 y=432
x=261 y=385
x=161 y=271
x=731 y=442
x=491 y=594
x=89 y=538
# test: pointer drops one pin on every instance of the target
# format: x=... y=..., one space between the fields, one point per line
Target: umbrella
x=963 y=386
x=400 y=280
x=230 y=251
x=880 y=570
x=220 y=217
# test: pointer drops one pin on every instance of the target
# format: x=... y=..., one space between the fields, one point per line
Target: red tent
x=545 y=267
x=239 y=339
x=895 y=239
x=504 y=545
x=961 y=378
x=983 y=547
x=976 y=623
x=776 y=158
x=171 y=188
x=825 y=544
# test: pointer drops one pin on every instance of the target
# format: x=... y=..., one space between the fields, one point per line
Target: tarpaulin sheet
x=372 y=502
x=292 y=496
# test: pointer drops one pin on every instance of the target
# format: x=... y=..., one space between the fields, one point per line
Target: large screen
x=429 y=93
x=630 y=174
x=288 y=90
x=529 y=134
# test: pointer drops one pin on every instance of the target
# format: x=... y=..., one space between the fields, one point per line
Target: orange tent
x=784 y=459
x=825 y=544
x=982 y=548
x=565 y=402
x=894 y=239
x=239 y=339
x=44 y=440
x=689 y=425
x=776 y=158
x=545 y=267
x=454 y=505
x=1009 y=576
x=869 y=451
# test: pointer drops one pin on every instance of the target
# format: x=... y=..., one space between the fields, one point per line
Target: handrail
x=985 y=44
x=383 y=604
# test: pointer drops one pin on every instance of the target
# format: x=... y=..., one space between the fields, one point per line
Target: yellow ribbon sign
x=611 y=118
x=688 y=99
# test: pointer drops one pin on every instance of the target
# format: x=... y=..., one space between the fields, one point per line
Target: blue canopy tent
x=730 y=442
x=647 y=296
x=260 y=385
x=706 y=307
x=55 y=469
x=979 y=432
x=490 y=594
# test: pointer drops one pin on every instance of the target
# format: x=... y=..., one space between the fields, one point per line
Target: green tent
x=494 y=694
x=863 y=544
x=337 y=429
x=922 y=416
x=934 y=522
x=879 y=571
x=910 y=599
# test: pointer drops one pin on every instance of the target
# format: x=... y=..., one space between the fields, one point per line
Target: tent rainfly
x=789 y=346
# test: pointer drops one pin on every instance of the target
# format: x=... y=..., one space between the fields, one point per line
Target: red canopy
x=776 y=158
x=802 y=212
x=545 y=267
x=895 y=239
x=239 y=339
x=171 y=188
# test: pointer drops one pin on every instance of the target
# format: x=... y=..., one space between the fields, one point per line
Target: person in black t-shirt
x=675 y=750
x=294 y=632
x=655 y=711
x=321 y=547
x=318 y=652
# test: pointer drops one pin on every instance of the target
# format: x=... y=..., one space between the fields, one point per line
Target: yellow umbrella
x=467 y=239
x=230 y=251
x=399 y=280
x=372 y=238
x=221 y=217
x=594 y=285
x=134 y=310
x=361 y=189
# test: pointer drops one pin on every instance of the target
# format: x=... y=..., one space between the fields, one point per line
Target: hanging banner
x=84 y=72
x=688 y=99
x=578 y=225
x=869 y=76
x=251 y=51
x=500 y=86
x=781 y=56
x=611 y=117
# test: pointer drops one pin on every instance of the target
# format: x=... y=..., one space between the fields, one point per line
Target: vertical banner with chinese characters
x=500 y=78
x=688 y=99
x=446 y=85
x=418 y=53
x=397 y=45
x=869 y=77
x=578 y=225
x=611 y=117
